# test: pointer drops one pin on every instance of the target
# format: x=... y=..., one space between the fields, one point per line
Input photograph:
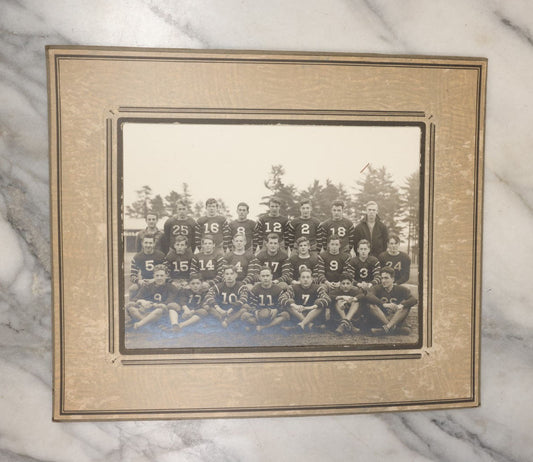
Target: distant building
x=131 y=227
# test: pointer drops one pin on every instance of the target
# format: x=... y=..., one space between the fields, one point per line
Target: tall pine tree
x=142 y=205
x=172 y=198
x=322 y=197
x=286 y=193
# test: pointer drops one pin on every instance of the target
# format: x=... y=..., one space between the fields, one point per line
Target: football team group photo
x=297 y=261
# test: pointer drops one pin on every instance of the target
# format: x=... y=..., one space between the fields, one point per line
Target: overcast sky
x=232 y=161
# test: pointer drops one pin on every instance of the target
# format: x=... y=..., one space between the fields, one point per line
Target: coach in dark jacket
x=373 y=230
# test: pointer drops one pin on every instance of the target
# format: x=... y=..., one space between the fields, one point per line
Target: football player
x=153 y=299
x=390 y=305
x=178 y=261
x=305 y=301
x=180 y=225
x=398 y=261
x=271 y=222
x=344 y=305
x=332 y=263
x=264 y=300
x=190 y=304
x=207 y=263
x=302 y=259
x=150 y=230
x=277 y=260
x=364 y=267
x=337 y=225
x=214 y=225
x=228 y=300
x=303 y=226
x=143 y=264
x=243 y=260
x=243 y=225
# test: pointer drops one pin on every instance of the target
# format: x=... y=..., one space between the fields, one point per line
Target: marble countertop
x=499 y=30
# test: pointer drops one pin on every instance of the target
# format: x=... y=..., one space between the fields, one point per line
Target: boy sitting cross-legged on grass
x=153 y=299
x=264 y=300
x=190 y=306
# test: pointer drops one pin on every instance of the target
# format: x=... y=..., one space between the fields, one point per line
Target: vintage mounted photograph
x=241 y=234
x=264 y=233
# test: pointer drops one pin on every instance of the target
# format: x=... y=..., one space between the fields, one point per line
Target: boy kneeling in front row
x=153 y=299
x=264 y=300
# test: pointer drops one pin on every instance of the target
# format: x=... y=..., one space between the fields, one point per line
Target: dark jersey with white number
x=398 y=294
x=266 y=225
x=330 y=267
x=142 y=265
x=298 y=264
x=245 y=227
x=265 y=297
x=278 y=264
x=174 y=227
x=343 y=228
x=365 y=271
x=247 y=266
x=208 y=266
x=217 y=227
x=157 y=293
x=178 y=264
x=191 y=299
x=401 y=264
x=227 y=297
x=303 y=227
x=306 y=296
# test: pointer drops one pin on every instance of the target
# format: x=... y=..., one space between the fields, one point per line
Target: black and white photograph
x=271 y=234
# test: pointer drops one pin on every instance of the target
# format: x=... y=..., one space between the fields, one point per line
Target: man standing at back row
x=338 y=225
x=373 y=230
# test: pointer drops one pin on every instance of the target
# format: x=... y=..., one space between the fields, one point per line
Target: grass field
x=208 y=333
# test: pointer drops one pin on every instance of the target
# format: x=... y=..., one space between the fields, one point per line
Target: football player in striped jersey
x=265 y=306
x=364 y=267
x=302 y=259
x=271 y=222
x=180 y=224
x=178 y=261
x=214 y=225
x=390 y=305
x=228 y=300
x=305 y=301
x=244 y=261
x=344 y=305
x=277 y=260
x=337 y=225
x=303 y=226
x=243 y=225
x=332 y=263
x=207 y=263
x=398 y=261
x=143 y=264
